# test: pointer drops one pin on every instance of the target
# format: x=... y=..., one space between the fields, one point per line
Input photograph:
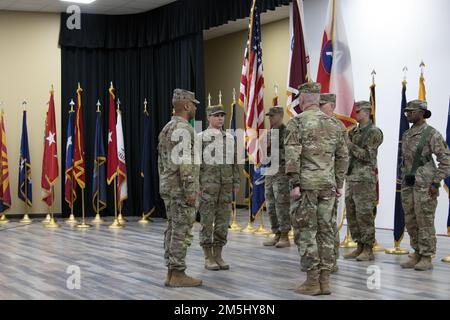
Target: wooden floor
x=128 y=264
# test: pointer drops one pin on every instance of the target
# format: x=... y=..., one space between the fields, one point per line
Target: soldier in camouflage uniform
x=277 y=187
x=360 y=193
x=316 y=161
x=421 y=180
x=327 y=106
x=179 y=188
x=219 y=178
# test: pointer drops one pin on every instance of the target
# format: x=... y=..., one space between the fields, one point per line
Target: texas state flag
x=335 y=66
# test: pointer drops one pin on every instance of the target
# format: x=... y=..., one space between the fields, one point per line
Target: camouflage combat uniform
x=418 y=205
x=277 y=191
x=360 y=193
x=217 y=183
x=177 y=183
x=316 y=161
x=324 y=99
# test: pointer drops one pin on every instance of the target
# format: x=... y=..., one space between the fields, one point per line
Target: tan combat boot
x=366 y=254
x=311 y=287
x=169 y=275
x=354 y=253
x=273 y=241
x=180 y=279
x=210 y=263
x=324 y=281
x=283 y=242
x=413 y=260
x=217 y=254
x=424 y=264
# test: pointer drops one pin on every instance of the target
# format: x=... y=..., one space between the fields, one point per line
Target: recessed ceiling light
x=79 y=1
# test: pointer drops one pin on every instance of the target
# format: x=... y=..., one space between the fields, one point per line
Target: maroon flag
x=112 y=159
x=50 y=160
x=78 y=152
x=298 y=71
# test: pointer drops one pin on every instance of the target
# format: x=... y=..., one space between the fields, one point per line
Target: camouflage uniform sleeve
x=189 y=171
x=440 y=148
x=341 y=160
x=293 y=150
x=370 y=150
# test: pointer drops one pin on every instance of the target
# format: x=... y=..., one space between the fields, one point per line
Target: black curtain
x=138 y=73
x=146 y=55
x=163 y=24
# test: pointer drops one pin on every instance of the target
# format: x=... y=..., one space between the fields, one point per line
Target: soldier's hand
x=236 y=190
x=295 y=193
x=433 y=192
x=338 y=193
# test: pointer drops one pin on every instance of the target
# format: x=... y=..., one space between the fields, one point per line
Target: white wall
x=386 y=35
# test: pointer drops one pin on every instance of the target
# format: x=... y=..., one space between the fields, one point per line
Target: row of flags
x=334 y=74
x=115 y=160
x=75 y=164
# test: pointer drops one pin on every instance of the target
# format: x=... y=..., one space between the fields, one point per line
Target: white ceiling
x=99 y=6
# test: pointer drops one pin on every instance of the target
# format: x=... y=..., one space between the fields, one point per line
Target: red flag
x=78 y=152
x=50 y=160
x=113 y=160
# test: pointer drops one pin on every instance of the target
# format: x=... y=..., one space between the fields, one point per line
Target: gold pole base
x=97 y=219
x=263 y=231
x=291 y=234
x=83 y=225
x=3 y=219
x=249 y=229
x=235 y=227
x=47 y=219
x=144 y=220
x=377 y=247
x=396 y=251
x=71 y=219
x=121 y=219
x=26 y=219
x=446 y=259
x=348 y=243
x=116 y=224
x=52 y=224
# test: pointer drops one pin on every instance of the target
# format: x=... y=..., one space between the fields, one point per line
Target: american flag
x=252 y=86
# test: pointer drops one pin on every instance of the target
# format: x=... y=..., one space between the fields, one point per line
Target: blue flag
x=254 y=188
x=399 y=216
x=447 y=181
x=69 y=189
x=99 y=175
x=148 y=205
x=25 y=185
